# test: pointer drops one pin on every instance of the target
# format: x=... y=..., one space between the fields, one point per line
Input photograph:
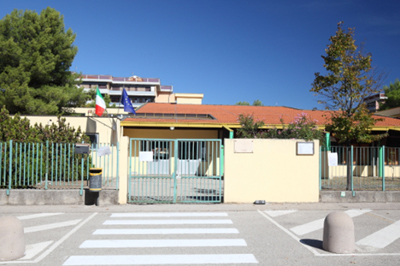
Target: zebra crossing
x=137 y=235
x=385 y=236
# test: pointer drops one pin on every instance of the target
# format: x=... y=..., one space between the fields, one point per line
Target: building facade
x=140 y=90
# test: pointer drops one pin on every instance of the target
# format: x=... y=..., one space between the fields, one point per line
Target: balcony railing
x=130 y=89
x=118 y=79
x=165 y=88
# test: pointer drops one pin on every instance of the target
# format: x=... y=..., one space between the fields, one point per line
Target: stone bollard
x=338 y=233
x=12 y=240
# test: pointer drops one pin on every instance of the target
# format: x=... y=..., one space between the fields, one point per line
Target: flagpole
x=120 y=98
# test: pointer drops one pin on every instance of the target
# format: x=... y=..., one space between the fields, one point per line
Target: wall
x=90 y=111
x=166 y=133
x=165 y=97
x=101 y=125
x=272 y=172
x=189 y=98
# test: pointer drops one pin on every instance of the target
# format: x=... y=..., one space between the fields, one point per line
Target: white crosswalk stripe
x=45 y=227
x=38 y=215
x=170 y=214
x=279 y=212
x=149 y=222
x=383 y=237
x=178 y=219
x=166 y=231
x=373 y=242
x=161 y=259
x=319 y=224
x=157 y=243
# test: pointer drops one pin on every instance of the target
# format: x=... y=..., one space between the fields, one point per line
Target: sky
x=229 y=50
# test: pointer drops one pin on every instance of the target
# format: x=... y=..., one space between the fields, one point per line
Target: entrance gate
x=171 y=171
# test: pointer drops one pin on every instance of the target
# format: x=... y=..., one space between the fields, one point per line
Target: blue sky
x=230 y=50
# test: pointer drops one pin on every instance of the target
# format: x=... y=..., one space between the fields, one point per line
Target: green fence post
x=175 y=166
x=222 y=160
x=82 y=162
x=47 y=164
x=383 y=168
x=380 y=161
x=351 y=162
x=328 y=141
x=10 y=169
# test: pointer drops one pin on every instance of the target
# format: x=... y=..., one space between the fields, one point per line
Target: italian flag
x=100 y=103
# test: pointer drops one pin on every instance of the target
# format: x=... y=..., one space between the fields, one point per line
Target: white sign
x=146 y=156
x=103 y=151
x=332 y=159
x=243 y=146
x=305 y=148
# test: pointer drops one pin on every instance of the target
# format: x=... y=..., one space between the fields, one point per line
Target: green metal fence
x=371 y=168
x=54 y=166
x=170 y=171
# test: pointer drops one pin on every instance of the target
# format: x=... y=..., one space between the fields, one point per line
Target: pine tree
x=36 y=53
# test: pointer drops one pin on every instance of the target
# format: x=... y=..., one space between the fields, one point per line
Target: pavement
x=204 y=234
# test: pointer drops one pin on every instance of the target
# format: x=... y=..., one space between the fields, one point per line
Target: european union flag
x=127 y=103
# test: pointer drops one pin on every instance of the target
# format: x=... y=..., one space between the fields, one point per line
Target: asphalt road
x=220 y=234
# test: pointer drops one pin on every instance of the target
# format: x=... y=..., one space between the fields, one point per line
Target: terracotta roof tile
x=228 y=114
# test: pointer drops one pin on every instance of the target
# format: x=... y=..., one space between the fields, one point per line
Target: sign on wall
x=243 y=146
x=305 y=148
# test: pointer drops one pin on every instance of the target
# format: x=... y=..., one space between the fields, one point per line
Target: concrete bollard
x=338 y=233
x=12 y=240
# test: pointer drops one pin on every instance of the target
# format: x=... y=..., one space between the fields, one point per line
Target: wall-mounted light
x=172 y=128
x=49 y=122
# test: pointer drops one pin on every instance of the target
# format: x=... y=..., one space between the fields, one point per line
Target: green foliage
x=302 y=127
x=355 y=128
x=19 y=130
x=38 y=147
x=350 y=79
x=243 y=103
x=393 y=93
x=255 y=103
x=36 y=53
x=251 y=129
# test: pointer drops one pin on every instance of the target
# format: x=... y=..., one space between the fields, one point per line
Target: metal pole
x=10 y=169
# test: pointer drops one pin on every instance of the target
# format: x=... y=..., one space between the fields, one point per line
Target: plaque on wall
x=243 y=146
x=305 y=148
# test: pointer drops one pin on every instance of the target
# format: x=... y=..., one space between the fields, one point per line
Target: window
x=94 y=137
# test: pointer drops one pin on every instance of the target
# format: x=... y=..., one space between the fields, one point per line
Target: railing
x=54 y=165
x=119 y=79
x=371 y=168
x=115 y=88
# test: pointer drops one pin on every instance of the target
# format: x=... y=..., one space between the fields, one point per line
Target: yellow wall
x=166 y=133
x=273 y=172
x=90 y=111
x=189 y=98
x=101 y=125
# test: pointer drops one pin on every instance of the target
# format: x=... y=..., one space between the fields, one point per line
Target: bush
x=303 y=127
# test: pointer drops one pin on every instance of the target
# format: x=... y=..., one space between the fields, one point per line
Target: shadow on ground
x=312 y=243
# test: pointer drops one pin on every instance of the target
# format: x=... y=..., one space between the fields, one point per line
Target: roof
x=227 y=115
